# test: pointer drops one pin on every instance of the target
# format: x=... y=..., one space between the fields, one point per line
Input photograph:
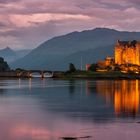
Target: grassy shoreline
x=95 y=75
x=78 y=75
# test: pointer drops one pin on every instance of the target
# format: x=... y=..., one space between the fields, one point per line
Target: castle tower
x=127 y=52
x=118 y=53
x=138 y=54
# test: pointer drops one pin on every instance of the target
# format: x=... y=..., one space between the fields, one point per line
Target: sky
x=28 y=23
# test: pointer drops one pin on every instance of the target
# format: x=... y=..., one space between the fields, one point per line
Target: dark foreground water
x=51 y=109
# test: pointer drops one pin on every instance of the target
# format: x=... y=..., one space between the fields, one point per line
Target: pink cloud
x=21 y=18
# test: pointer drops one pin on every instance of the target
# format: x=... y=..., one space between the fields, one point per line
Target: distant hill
x=8 y=54
x=11 y=55
x=22 y=53
x=58 y=52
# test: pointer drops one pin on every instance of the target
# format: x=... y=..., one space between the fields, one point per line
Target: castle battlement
x=127 y=52
x=127 y=43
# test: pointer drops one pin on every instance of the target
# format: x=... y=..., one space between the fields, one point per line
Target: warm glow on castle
x=127 y=52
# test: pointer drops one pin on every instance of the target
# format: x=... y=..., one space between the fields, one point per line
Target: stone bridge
x=35 y=73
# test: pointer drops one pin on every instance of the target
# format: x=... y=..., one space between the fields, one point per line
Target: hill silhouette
x=90 y=45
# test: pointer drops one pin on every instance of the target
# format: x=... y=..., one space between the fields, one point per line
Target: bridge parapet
x=34 y=73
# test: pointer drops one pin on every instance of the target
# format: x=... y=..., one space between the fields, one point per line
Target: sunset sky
x=27 y=23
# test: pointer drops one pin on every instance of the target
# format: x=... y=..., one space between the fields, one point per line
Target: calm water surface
x=51 y=109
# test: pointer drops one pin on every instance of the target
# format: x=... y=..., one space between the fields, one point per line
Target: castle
x=127 y=52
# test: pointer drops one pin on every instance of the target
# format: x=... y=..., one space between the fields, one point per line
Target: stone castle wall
x=127 y=53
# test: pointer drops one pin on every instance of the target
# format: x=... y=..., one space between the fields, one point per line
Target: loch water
x=50 y=109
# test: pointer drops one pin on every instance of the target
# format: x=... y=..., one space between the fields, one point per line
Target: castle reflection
x=123 y=94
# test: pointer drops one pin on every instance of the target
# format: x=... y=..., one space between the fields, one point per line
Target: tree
x=3 y=65
x=93 y=67
x=72 y=68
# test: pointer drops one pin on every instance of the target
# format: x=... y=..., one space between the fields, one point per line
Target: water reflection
x=30 y=83
x=37 y=109
x=1 y=85
x=123 y=94
x=72 y=86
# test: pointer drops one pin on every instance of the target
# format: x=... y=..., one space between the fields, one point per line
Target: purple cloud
x=8 y=1
x=27 y=23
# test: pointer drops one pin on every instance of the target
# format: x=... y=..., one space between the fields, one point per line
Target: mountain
x=58 y=52
x=90 y=56
x=8 y=54
x=11 y=55
x=22 y=53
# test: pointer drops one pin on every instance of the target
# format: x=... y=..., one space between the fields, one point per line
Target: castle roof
x=128 y=43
